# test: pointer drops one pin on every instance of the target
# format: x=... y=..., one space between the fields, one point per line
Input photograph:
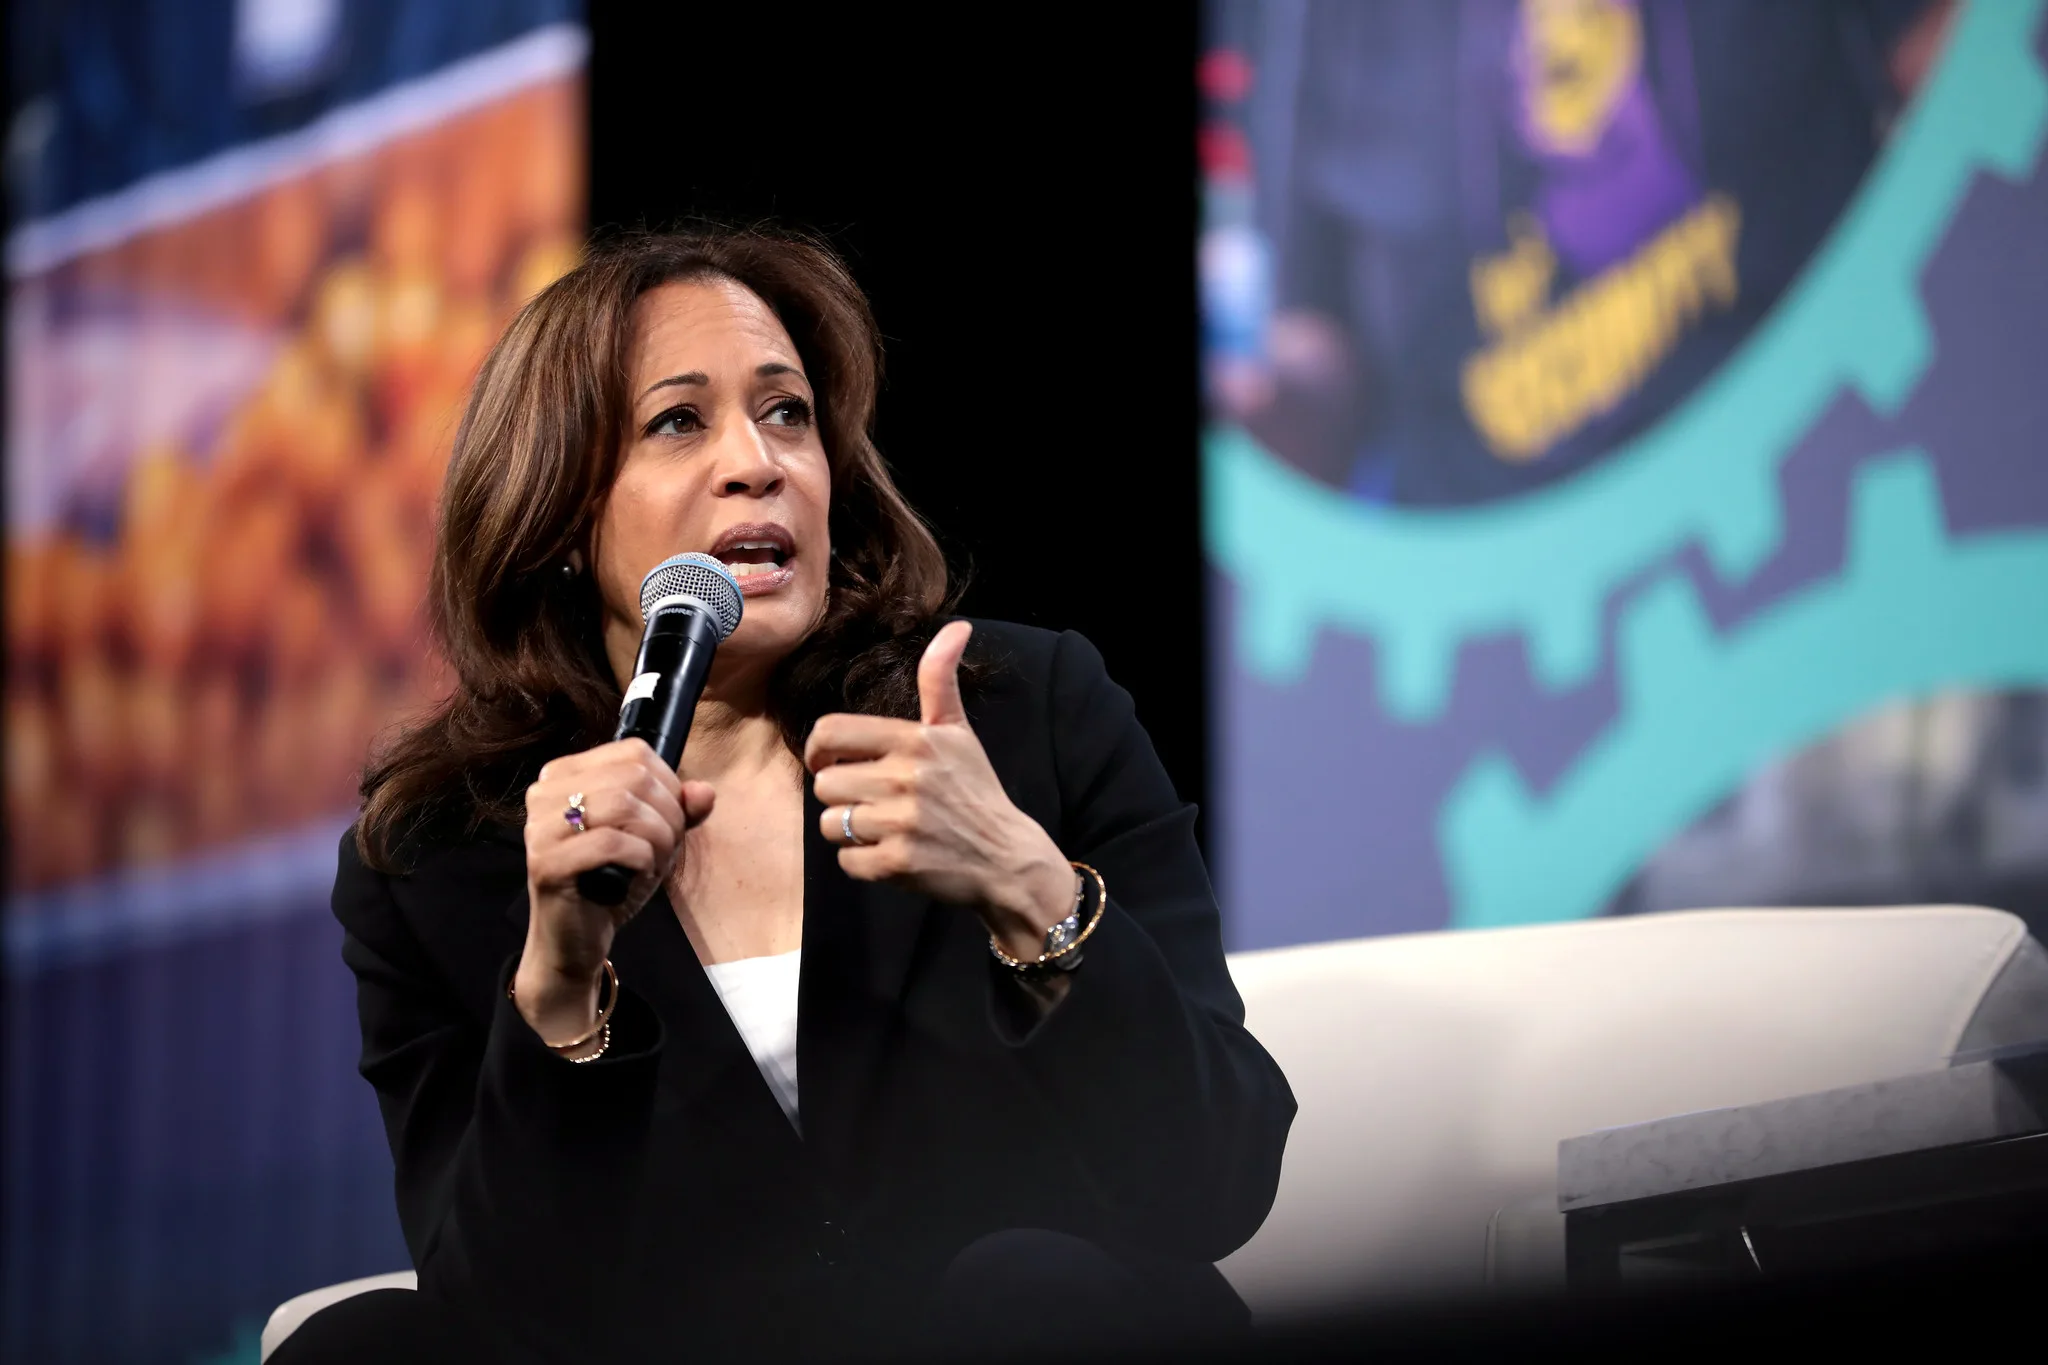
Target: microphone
x=691 y=603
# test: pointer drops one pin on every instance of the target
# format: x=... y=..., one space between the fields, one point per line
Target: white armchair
x=1437 y=1073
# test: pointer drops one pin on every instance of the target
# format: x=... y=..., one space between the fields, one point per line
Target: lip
x=754 y=584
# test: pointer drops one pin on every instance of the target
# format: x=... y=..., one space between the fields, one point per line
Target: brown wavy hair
x=533 y=462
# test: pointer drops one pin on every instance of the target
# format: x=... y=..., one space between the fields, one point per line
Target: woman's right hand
x=635 y=811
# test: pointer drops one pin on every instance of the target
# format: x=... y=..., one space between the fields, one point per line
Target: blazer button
x=831 y=1246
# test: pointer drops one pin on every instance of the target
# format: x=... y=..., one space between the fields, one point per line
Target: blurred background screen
x=257 y=250
x=1623 y=473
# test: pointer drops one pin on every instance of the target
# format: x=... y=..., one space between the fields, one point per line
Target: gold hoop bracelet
x=603 y=1025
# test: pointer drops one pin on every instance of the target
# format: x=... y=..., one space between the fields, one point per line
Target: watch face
x=1063 y=933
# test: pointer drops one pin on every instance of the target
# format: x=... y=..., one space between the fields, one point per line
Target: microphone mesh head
x=699 y=576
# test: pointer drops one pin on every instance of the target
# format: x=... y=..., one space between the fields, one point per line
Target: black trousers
x=1025 y=1292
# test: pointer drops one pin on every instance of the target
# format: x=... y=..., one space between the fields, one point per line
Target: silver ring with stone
x=846 y=828
x=576 y=814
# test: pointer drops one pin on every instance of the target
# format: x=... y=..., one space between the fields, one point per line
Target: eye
x=789 y=412
x=677 y=421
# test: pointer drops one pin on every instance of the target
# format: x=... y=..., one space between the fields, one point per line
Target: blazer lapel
x=859 y=941
x=705 y=1065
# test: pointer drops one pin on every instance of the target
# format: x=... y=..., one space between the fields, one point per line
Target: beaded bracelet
x=604 y=1040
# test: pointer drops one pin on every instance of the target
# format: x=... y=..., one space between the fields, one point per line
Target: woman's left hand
x=929 y=812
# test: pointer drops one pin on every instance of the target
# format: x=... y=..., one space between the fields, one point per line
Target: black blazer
x=657 y=1202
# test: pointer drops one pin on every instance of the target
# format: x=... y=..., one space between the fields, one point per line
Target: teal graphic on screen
x=1497 y=711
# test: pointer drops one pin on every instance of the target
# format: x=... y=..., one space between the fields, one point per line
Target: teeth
x=745 y=570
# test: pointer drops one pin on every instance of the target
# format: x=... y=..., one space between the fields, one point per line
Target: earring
x=568 y=572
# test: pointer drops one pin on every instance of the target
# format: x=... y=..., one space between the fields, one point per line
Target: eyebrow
x=698 y=377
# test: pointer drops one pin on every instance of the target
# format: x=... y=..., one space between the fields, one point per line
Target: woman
x=831 y=1079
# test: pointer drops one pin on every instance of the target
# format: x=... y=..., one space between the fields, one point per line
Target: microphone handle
x=676 y=653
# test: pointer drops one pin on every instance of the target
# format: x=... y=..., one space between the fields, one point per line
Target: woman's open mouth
x=759 y=554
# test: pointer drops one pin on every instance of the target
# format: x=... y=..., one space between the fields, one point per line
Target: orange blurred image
x=214 y=664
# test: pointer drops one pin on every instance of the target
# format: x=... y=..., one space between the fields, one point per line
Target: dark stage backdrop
x=1020 y=203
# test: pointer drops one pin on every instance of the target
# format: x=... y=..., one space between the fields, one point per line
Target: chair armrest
x=1525 y=1247
x=293 y=1312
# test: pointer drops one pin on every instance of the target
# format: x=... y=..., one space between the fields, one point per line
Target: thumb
x=938 y=676
x=697 y=801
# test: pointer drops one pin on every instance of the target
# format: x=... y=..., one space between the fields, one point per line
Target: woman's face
x=722 y=455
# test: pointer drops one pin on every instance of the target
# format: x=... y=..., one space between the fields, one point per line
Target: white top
x=760 y=995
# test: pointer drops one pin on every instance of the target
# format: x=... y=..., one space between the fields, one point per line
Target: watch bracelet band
x=1066 y=956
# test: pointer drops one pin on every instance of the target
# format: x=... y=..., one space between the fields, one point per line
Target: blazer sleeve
x=514 y=1166
x=1180 y=1115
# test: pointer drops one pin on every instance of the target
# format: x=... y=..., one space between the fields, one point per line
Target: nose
x=743 y=465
